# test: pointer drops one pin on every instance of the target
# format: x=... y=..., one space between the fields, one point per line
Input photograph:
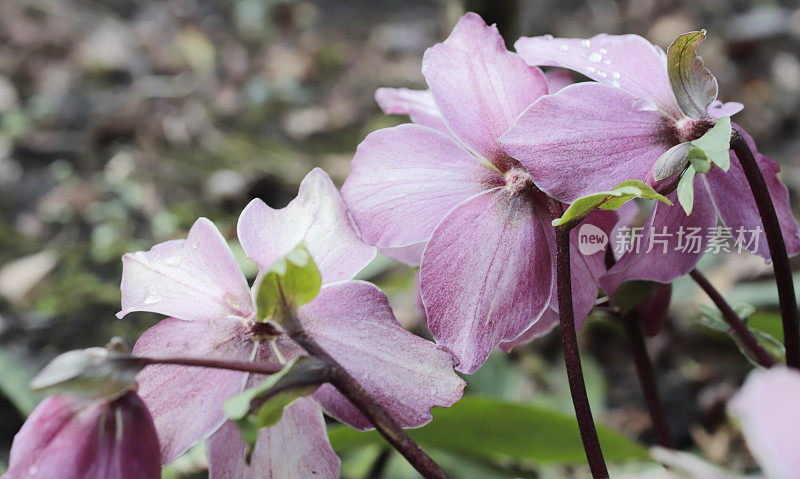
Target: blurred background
x=122 y=121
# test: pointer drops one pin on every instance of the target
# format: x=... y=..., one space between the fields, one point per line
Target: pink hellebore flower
x=444 y=185
x=198 y=283
x=590 y=136
x=766 y=407
x=76 y=438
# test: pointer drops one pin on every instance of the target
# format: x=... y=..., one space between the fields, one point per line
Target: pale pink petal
x=766 y=407
x=318 y=218
x=68 y=438
x=666 y=250
x=186 y=402
x=479 y=86
x=411 y=255
x=406 y=374
x=737 y=207
x=628 y=62
x=717 y=109
x=404 y=180
x=543 y=326
x=296 y=447
x=587 y=138
x=417 y=104
x=194 y=279
x=486 y=275
x=558 y=79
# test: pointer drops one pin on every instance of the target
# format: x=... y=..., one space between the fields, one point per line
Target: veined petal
x=558 y=79
x=486 y=275
x=406 y=374
x=72 y=438
x=546 y=322
x=411 y=255
x=738 y=211
x=628 y=62
x=587 y=138
x=417 y=104
x=186 y=402
x=194 y=279
x=670 y=244
x=766 y=407
x=296 y=447
x=319 y=218
x=479 y=86
x=404 y=180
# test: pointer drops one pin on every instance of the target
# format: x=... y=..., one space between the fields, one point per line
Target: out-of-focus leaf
x=495 y=429
x=712 y=318
x=14 y=378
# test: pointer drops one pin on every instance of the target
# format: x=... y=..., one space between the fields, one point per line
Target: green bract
x=710 y=148
x=693 y=84
x=609 y=200
x=294 y=277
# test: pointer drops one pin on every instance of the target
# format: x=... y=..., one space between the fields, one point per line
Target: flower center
x=517 y=180
x=689 y=129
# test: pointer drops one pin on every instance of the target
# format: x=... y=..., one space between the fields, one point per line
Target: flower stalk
x=757 y=352
x=572 y=359
x=647 y=379
x=777 y=248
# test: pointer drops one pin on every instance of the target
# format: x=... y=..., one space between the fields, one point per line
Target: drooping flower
x=444 y=186
x=616 y=128
x=199 y=284
x=83 y=438
x=766 y=407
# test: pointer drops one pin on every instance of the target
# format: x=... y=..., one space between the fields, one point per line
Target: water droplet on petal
x=586 y=43
x=547 y=37
x=607 y=61
x=194 y=245
x=616 y=75
x=564 y=47
x=615 y=83
x=595 y=57
x=603 y=51
x=590 y=69
x=152 y=297
x=602 y=74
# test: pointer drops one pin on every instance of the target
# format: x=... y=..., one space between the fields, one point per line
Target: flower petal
x=406 y=374
x=486 y=275
x=666 y=250
x=558 y=79
x=417 y=104
x=193 y=279
x=479 y=86
x=766 y=407
x=186 y=402
x=296 y=447
x=587 y=138
x=737 y=207
x=319 y=218
x=410 y=255
x=717 y=109
x=628 y=62
x=71 y=438
x=404 y=180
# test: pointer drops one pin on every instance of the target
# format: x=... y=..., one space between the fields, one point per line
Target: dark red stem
x=777 y=248
x=647 y=379
x=572 y=358
x=757 y=352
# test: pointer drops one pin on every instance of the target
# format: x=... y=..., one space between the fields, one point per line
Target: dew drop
x=172 y=261
x=603 y=51
x=564 y=47
x=615 y=83
x=586 y=43
x=595 y=57
x=194 y=245
x=616 y=75
x=152 y=296
x=602 y=74
x=607 y=61
x=590 y=69
x=547 y=37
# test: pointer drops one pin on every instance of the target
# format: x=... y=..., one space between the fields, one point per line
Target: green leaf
x=630 y=294
x=496 y=429
x=15 y=374
x=693 y=84
x=295 y=276
x=716 y=143
x=686 y=190
x=698 y=159
x=712 y=318
x=262 y=405
x=609 y=200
